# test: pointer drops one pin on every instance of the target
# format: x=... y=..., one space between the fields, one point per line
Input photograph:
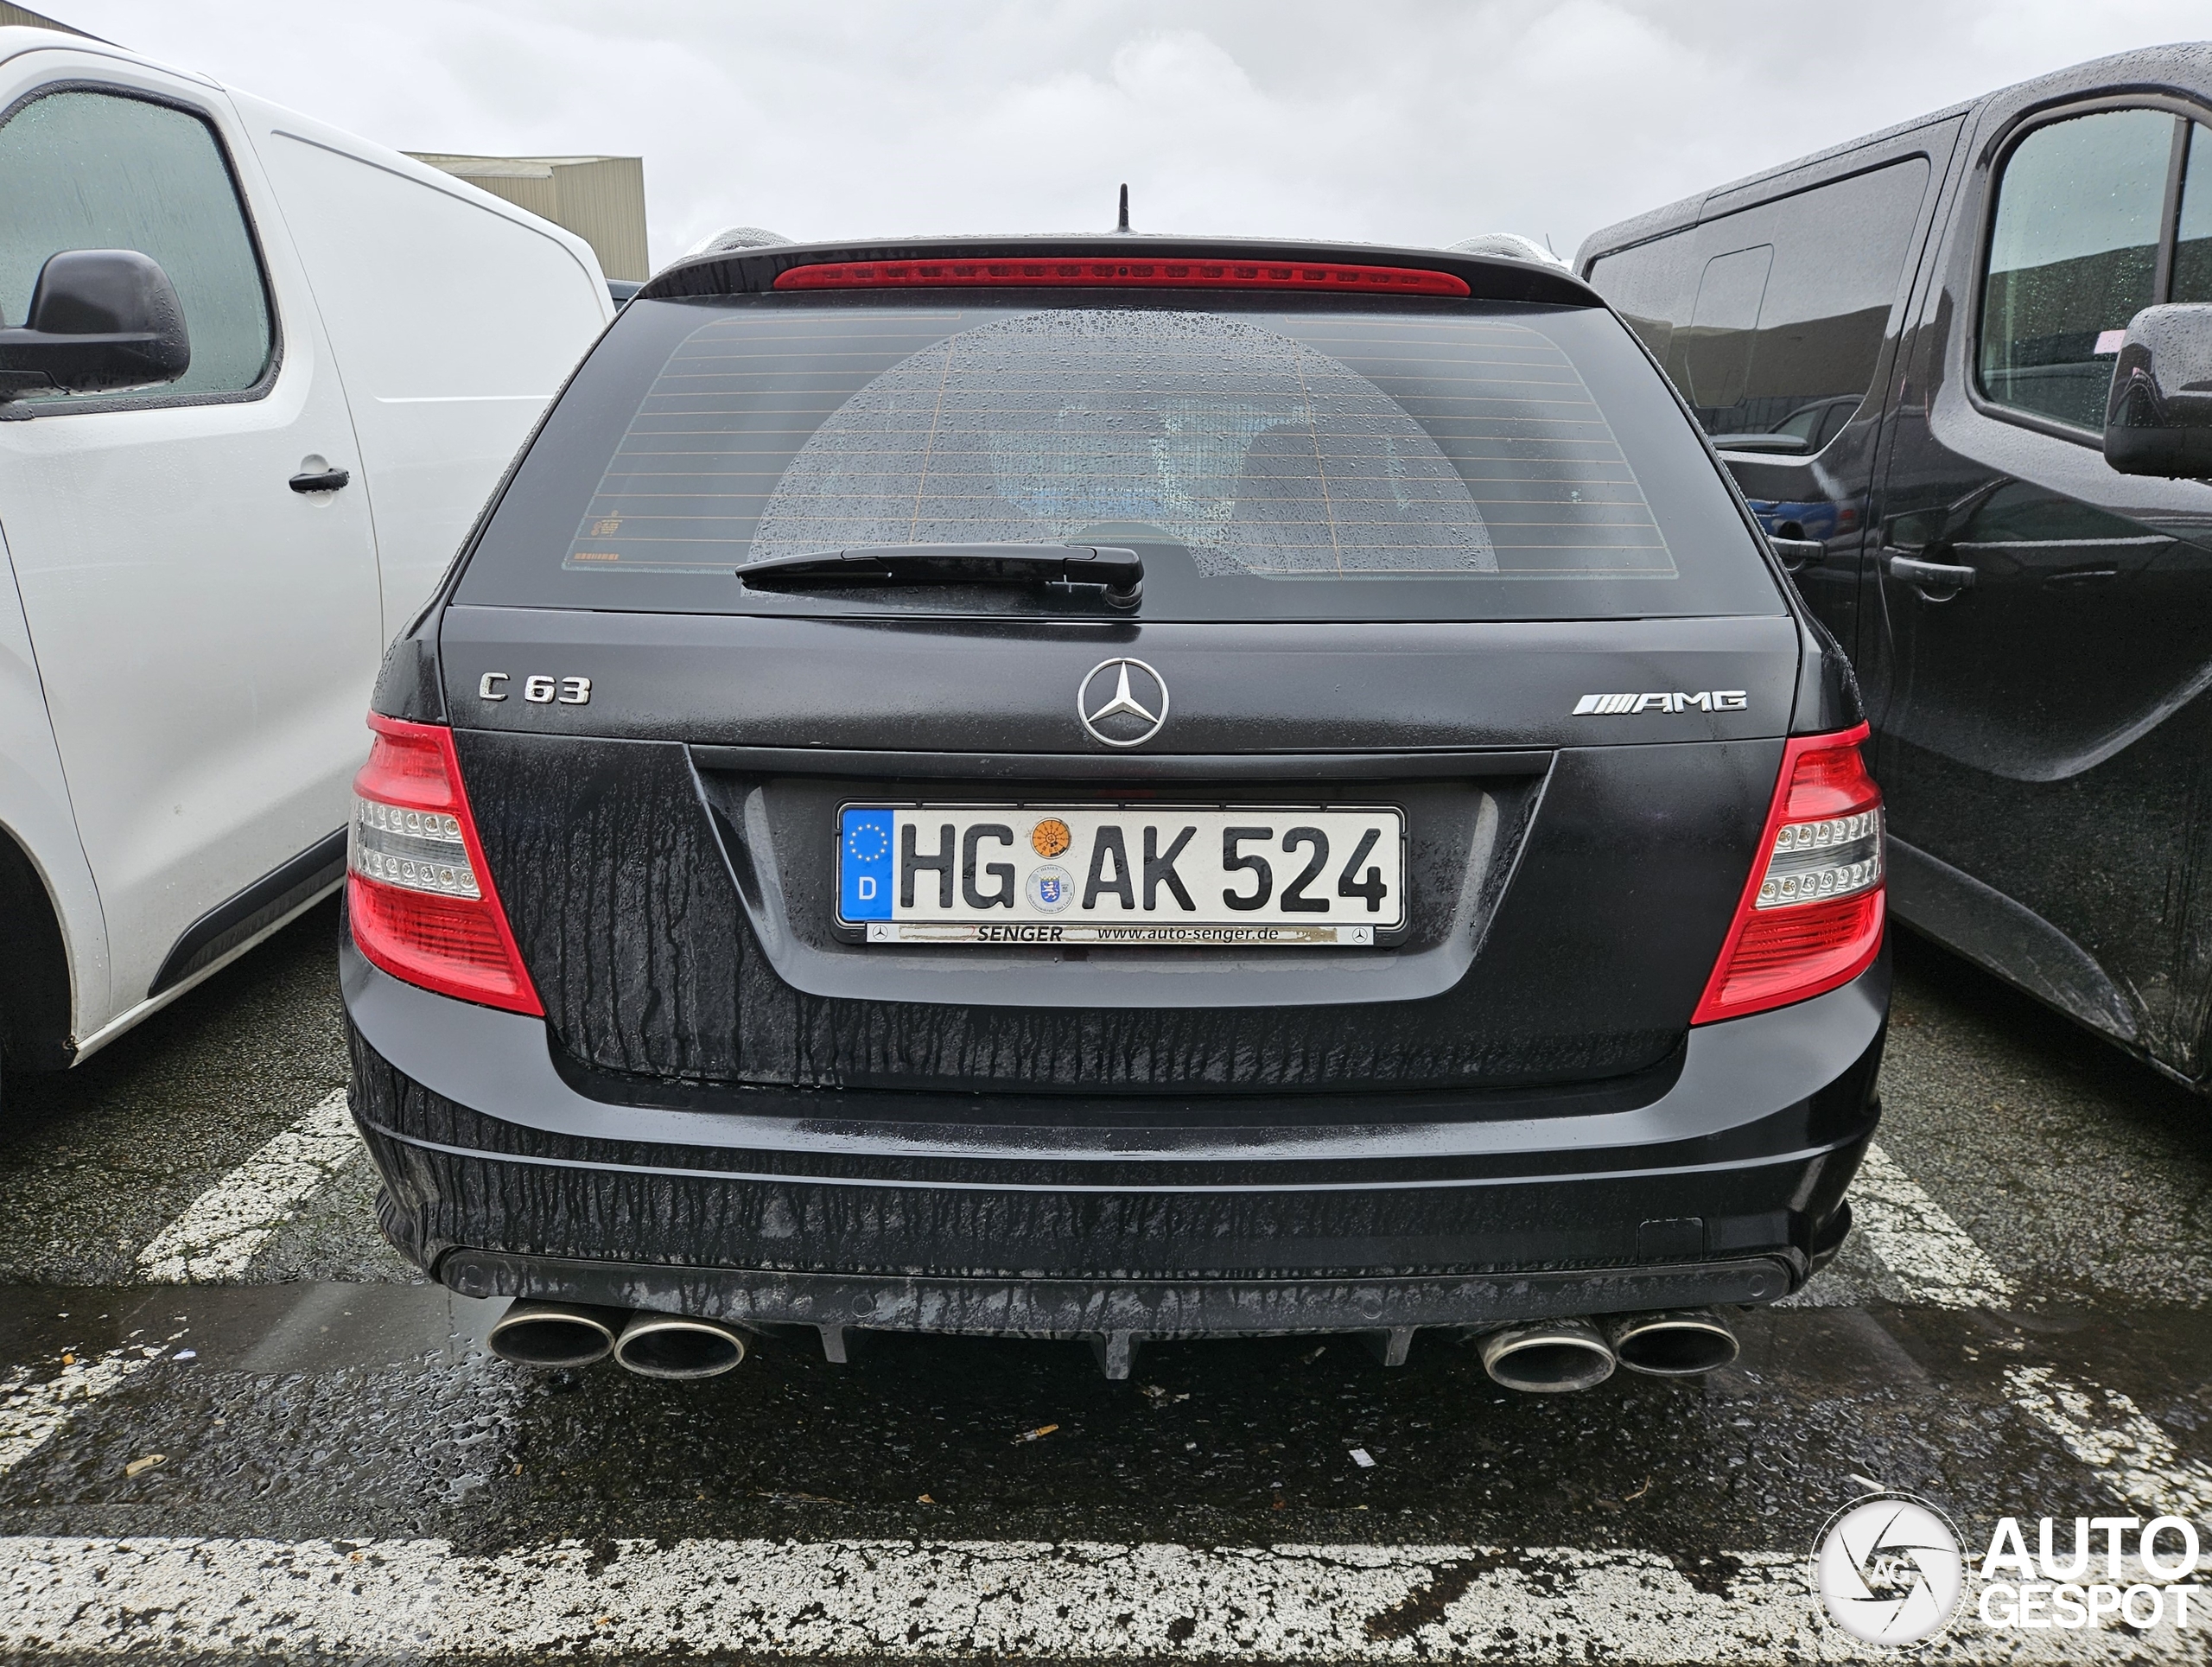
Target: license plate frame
x=1015 y=849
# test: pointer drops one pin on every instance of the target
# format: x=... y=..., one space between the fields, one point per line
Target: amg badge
x=1705 y=700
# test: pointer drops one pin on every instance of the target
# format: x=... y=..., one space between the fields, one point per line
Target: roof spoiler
x=754 y=272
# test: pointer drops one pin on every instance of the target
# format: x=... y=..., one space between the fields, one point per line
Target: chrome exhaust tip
x=535 y=1333
x=1547 y=1357
x=676 y=1347
x=1674 y=1342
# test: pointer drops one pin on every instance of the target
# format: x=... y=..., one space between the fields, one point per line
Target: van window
x=2073 y=256
x=2193 y=246
x=1645 y=286
x=94 y=170
x=1792 y=303
x=1716 y=355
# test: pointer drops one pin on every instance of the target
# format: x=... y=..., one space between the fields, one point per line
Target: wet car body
x=705 y=1090
x=2039 y=708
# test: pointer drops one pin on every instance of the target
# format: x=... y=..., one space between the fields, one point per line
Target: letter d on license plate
x=1107 y=874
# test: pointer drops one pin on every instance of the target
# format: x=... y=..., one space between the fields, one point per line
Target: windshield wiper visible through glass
x=1119 y=572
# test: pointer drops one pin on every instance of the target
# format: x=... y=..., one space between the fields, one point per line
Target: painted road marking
x=2135 y=1455
x=1015 y=1600
x=418 y=1598
x=217 y=1237
x=214 y=1239
x=1931 y=1255
x=33 y=1408
x=1939 y=1263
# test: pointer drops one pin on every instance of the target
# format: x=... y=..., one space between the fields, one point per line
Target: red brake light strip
x=1332 y=276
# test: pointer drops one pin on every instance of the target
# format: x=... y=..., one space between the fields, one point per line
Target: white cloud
x=1184 y=73
x=1397 y=120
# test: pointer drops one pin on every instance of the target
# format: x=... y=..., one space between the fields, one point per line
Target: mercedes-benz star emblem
x=1122 y=702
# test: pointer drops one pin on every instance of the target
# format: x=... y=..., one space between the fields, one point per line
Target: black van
x=1904 y=350
x=1115 y=788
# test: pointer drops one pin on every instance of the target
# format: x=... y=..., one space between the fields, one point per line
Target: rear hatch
x=1434 y=752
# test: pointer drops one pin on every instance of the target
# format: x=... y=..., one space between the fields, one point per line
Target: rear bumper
x=1720 y=1179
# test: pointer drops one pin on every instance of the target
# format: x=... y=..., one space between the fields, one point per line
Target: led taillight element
x=1811 y=918
x=1336 y=276
x=417 y=896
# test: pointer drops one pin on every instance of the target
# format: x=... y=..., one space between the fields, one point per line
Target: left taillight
x=418 y=896
x=1811 y=917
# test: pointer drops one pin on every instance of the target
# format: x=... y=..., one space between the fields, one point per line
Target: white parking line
x=218 y=1235
x=1931 y=1254
x=1939 y=1263
x=214 y=1239
x=1009 y=1600
x=2136 y=1456
x=33 y=1408
x=1013 y=1600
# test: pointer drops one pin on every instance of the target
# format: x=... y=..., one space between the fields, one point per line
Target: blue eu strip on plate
x=864 y=866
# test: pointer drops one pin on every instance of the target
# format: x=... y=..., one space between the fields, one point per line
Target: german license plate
x=1120 y=873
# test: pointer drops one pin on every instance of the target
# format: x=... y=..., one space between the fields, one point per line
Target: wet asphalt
x=330 y=1394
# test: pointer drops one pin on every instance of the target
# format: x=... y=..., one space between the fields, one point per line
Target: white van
x=241 y=435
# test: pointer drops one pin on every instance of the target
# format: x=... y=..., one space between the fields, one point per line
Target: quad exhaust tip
x=1547 y=1357
x=1552 y=1357
x=534 y=1333
x=678 y=1348
x=1674 y=1342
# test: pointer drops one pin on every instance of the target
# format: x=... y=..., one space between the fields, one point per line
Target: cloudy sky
x=1406 y=121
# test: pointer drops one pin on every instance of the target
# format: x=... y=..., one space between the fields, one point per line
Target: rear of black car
x=1048 y=790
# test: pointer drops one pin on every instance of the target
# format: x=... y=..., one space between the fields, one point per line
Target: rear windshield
x=1342 y=460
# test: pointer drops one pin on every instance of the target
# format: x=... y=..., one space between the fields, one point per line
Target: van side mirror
x=101 y=320
x=2159 y=421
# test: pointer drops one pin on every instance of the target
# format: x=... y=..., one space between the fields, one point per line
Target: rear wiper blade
x=1119 y=572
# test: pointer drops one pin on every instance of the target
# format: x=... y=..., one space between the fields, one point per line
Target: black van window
x=1330 y=461
x=1716 y=353
x=2073 y=256
x=89 y=171
x=1645 y=286
x=1791 y=304
x=2193 y=247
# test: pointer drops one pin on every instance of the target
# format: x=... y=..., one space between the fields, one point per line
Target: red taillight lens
x=1811 y=918
x=1168 y=274
x=417 y=895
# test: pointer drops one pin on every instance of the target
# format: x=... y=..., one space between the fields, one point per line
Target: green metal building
x=601 y=199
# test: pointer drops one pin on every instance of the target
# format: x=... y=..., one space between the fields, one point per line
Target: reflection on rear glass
x=1314 y=445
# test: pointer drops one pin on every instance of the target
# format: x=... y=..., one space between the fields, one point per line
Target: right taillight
x=418 y=899
x=1811 y=918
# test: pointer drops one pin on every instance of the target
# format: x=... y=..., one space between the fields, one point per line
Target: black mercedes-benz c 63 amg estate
x=1117 y=789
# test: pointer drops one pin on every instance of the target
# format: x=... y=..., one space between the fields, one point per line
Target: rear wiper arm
x=1120 y=571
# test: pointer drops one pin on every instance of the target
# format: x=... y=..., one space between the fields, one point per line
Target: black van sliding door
x=2051 y=619
x=1777 y=317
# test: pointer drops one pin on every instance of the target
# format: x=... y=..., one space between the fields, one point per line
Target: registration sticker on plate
x=1120 y=873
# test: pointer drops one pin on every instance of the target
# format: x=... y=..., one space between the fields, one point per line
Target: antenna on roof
x=1124 y=226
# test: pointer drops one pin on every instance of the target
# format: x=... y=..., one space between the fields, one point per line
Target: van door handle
x=1925 y=577
x=322 y=480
